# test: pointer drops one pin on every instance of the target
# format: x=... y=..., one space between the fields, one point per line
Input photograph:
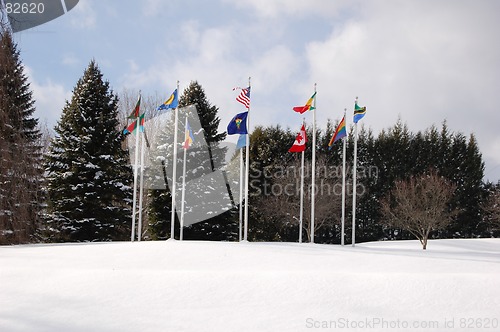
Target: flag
x=339 y=133
x=133 y=126
x=135 y=112
x=171 y=102
x=238 y=124
x=359 y=112
x=244 y=96
x=242 y=142
x=188 y=137
x=307 y=107
x=141 y=122
x=300 y=142
x=130 y=128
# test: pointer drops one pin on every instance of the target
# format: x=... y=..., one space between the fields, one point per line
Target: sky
x=420 y=61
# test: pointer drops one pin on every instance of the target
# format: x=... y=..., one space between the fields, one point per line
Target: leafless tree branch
x=419 y=205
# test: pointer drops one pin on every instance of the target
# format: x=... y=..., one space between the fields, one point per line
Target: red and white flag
x=244 y=96
x=300 y=142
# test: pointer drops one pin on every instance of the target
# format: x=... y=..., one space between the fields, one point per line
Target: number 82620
x=24 y=8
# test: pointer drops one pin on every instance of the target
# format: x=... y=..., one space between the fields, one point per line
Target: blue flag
x=359 y=112
x=242 y=142
x=238 y=124
x=171 y=102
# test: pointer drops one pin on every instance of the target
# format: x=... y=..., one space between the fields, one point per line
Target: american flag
x=244 y=96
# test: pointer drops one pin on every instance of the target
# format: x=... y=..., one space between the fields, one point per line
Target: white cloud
x=274 y=68
x=83 y=15
x=296 y=8
x=425 y=61
x=49 y=97
x=190 y=34
x=69 y=59
x=151 y=8
x=422 y=61
x=134 y=67
x=489 y=144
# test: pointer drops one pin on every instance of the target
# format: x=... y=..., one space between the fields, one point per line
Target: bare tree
x=419 y=205
x=492 y=208
x=281 y=199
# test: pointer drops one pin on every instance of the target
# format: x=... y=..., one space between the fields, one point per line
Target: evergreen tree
x=194 y=94
x=159 y=214
x=199 y=164
x=268 y=155
x=88 y=176
x=159 y=205
x=491 y=209
x=222 y=226
x=368 y=227
x=20 y=149
x=395 y=155
x=466 y=169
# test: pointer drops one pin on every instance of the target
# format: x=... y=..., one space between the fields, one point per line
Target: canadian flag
x=300 y=142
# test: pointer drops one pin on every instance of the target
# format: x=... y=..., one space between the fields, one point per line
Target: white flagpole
x=343 y=185
x=134 y=197
x=354 y=182
x=247 y=170
x=174 y=170
x=313 y=178
x=183 y=196
x=141 y=187
x=301 y=194
x=241 y=194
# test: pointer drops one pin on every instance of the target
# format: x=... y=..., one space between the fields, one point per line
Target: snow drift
x=214 y=286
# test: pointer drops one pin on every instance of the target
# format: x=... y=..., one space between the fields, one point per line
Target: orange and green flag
x=307 y=107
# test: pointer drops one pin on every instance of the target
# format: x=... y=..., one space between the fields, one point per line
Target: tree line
x=395 y=154
x=77 y=185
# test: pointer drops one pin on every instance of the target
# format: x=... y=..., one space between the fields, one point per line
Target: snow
x=220 y=286
x=91 y=166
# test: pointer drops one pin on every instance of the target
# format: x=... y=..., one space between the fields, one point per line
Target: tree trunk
x=424 y=242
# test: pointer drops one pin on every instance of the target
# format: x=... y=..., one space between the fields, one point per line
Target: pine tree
x=222 y=226
x=466 y=169
x=207 y=113
x=367 y=226
x=199 y=164
x=20 y=150
x=88 y=176
x=159 y=177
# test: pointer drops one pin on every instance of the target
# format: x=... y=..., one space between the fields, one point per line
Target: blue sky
x=419 y=60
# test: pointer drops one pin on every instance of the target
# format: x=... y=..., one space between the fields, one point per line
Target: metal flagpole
x=247 y=170
x=241 y=194
x=343 y=185
x=354 y=182
x=183 y=196
x=134 y=197
x=141 y=186
x=174 y=170
x=301 y=193
x=313 y=178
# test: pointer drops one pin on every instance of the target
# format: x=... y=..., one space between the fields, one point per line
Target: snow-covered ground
x=214 y=286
